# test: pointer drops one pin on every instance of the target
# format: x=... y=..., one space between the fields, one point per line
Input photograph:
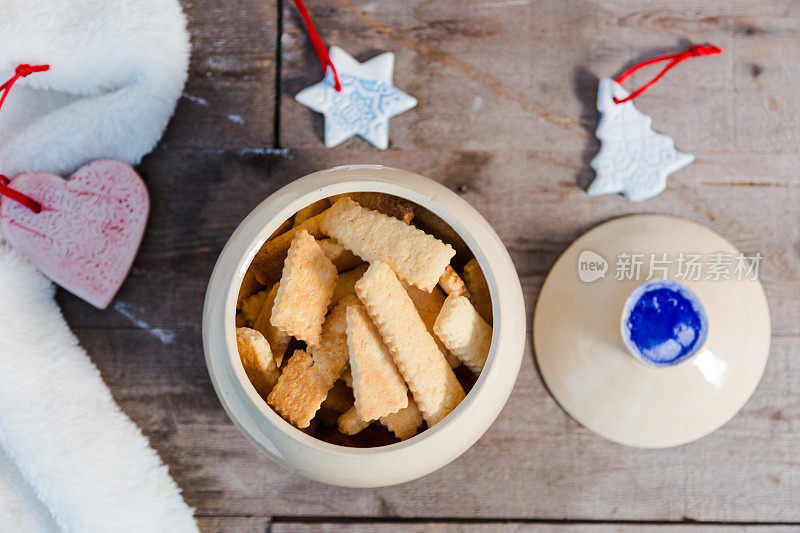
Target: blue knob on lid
x=663 y=323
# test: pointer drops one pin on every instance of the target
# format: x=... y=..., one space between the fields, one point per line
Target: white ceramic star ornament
x=364 y=105
x=633 y=159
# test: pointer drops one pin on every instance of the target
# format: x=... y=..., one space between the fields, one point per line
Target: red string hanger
x=693 y=51
x=319 y=46
x=21 y=71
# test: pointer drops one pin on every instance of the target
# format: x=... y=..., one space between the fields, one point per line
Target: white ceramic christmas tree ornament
x=365 y=103
x=633 y=159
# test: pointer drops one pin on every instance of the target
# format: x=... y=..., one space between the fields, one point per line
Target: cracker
x=310 y=210
x=347 y=377
x=285 y=226
x=342 y=258
x=350 y=423
x=331 y=355
x=430 y=379
x=431 y=223
x=278 y=340
x=378 y=387
x=327 y=416
x=305 y=290
x=340 y=397
x=393 y=206
x=415 y=256
x=257 y=360
x=251 y=306
x=346 y=284
x=428 y=305
x=311 y=429
x=300 y=390
x=404 y=423
x=309 y=379
x=250 y=286
x=464 y=332
x=269 y=261
x=452 y=283
x=479 y=289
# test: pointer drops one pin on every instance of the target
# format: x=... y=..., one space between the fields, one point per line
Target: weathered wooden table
x=506 y=117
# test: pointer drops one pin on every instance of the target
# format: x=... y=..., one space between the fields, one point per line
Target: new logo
x=591 y=266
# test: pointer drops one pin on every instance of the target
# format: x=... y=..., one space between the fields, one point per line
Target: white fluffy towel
x=70 y=460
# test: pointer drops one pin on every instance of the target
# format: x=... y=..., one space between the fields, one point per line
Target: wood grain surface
x=506 y=118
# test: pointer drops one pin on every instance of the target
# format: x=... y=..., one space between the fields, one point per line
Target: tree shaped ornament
x=634 y=159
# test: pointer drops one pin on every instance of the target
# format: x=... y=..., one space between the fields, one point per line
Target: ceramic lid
x=585 y=363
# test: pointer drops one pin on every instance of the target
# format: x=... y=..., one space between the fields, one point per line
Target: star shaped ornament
x=364 y=105
x=633 y=159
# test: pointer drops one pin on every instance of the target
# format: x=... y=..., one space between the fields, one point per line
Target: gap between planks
x=379 y=523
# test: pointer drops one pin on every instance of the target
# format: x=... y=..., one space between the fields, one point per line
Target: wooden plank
x=506 y=118
x=513 y=527
x=233 y=524
x=543 y=465
x=229 y=99
x=532 y=199
x=494 y=74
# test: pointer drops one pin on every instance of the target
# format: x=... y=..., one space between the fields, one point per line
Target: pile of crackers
x=353 y=325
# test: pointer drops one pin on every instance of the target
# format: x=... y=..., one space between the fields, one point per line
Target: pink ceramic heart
x=89 y=228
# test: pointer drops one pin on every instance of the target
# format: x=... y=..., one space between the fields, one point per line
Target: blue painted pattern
x=364 y=105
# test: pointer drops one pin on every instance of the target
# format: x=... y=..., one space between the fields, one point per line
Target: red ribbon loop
x=17 y=196
x=319 y=45
x=26 y=70
x=693 y=51
x=21 y=71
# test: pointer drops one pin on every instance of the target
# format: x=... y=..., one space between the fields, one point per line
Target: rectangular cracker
x=310 y=210
x=342 y=258
x=249 y=287
x=300 y=390
x=393 y=206
x=340 y=397
x=347 y=377
x=285 y=226
x=479 y=289
x=269 y=261
x=251 y=307
x=350 y=423
x=428 y=305
x=452 y=283
x=346 y=284
x=331 y=355
x=431 y=380
x=404 y=423
x=416 y=257
x=257 y=360
x=431 y=223
x=278 y=340
x=327 y=416
x=378 y=387
x=305 y=290
x=464 y=332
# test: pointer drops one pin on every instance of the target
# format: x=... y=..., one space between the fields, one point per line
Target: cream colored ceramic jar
x=385 y=465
